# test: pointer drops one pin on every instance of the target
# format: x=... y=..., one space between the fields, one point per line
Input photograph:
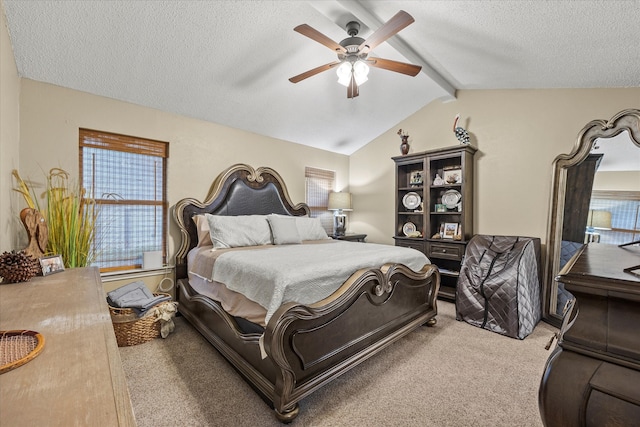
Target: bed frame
x=306 y=346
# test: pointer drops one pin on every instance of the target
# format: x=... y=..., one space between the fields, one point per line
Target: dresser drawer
x=417 y=245
x=446 y=250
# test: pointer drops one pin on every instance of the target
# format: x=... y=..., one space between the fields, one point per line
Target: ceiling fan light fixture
x=344 y=73
x=352 y=66
x=360 y=72
x=359 y=69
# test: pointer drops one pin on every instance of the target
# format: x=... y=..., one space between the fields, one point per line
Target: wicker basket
x=131 y=329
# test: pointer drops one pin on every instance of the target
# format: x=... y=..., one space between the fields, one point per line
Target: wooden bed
x=306 y=346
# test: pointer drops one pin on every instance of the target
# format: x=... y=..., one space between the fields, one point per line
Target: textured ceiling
x=228 y=61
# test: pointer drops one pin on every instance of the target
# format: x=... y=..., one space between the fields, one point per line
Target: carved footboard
x=309 y=346
x=312 y=345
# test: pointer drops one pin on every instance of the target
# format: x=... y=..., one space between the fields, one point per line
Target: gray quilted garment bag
x=498 y=288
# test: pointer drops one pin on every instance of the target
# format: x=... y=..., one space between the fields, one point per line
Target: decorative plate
x=451 y=198
x=411 y=200
x=408 y=228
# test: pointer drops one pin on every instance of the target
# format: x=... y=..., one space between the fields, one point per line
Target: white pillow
x=202 y=229
x=310 y=228
x=238 y=231
x=284 y=230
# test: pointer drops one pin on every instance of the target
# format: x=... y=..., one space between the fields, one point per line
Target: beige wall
x=621 y=181
x=518 y=134
x=50 y=117
x=9 y=138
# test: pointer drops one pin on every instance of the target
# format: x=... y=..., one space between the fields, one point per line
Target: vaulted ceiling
x=229 y=62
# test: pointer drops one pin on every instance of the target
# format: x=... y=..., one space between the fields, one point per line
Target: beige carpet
x=451 y=375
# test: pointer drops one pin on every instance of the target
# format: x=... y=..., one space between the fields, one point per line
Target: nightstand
x=351 y=237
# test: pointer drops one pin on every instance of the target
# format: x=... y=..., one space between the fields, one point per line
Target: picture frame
x=452 y=176
x=415 y=178
x=450 y=230
x=51 y=264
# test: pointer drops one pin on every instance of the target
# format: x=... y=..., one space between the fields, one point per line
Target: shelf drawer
x=446 y=251
x=418 y=245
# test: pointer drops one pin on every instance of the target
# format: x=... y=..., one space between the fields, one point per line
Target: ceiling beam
x=365 y=17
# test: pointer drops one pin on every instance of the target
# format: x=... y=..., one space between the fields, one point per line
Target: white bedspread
x=304 y=273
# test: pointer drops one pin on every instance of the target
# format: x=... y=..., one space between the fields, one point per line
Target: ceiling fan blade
x=399 y=21
x=316 y=35
x=313 y=72
x=398 y=67
x=352 y=89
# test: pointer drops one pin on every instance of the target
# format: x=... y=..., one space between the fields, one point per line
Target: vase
x=404 y=147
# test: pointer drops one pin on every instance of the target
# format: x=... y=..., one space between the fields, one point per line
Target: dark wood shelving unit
x=446 y=253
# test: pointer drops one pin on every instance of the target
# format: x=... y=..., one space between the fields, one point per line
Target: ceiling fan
x=353 y=62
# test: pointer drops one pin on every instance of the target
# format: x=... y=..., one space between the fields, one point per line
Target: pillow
x=238 y=231
x=202 y=229
x=310 y=228
x=284 y=230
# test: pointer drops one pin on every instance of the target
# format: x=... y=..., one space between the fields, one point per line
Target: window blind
x=624 y=207
x=319 y=183
x=127 y=178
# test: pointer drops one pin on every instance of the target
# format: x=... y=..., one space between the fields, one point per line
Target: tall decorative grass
x=71 y=218
x=27 y=192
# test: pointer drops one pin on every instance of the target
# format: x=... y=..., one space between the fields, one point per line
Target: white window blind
x=624 y=207
x=127 y=177
x=319 y=183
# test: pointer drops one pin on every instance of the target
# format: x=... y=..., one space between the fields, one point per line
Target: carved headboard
x=239 y=190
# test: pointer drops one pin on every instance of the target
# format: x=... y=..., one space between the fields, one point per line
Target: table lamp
x=597 y=220
x=339 y=203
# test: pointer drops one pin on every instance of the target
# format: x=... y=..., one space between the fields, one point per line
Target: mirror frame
x=628 y=120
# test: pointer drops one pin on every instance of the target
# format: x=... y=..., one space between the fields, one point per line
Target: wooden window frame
x=89 y=138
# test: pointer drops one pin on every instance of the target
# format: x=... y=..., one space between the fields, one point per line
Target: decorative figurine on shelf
x=415 y=179
x=458 y=235
x=460 y=132
x=404 y=146
x=438 y=180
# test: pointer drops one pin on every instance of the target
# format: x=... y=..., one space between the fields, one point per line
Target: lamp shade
x=360 y=72
x=359 y=69
x=600 y=220
x=339 y=201
x=344 y=73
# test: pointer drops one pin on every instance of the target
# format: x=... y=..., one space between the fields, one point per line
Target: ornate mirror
x=574 y=220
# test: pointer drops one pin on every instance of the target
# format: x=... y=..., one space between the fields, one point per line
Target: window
x=319 y=183
x=127 y=177
x=622 y=210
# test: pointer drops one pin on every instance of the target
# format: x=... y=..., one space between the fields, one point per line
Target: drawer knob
x=444 y=251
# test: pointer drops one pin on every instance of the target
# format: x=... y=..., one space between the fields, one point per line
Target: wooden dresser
x=77 y=379
x=593 y=376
